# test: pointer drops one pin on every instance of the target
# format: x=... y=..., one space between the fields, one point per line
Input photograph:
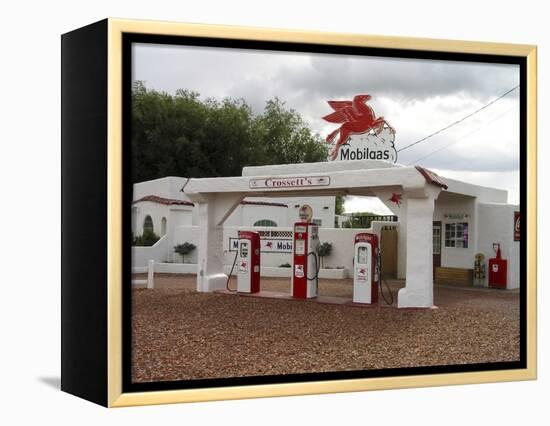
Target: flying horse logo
x=357 y=118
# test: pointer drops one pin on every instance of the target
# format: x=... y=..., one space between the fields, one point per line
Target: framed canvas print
x=254 y=212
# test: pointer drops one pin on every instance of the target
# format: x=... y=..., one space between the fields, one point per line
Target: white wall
x=175 y=216
x=496 y=225
x=483 y=194
x=246 y=215
x=159 y=252
x=250 y=214
x=342 y=241
x=147 y=208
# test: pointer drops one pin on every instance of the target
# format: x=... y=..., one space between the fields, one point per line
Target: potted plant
x=184 y=249
x=323 y=250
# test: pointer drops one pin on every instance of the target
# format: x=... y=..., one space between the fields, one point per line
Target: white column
x=210 y=274
x=418 y=291
x=213 y=210
x=151 y=274
x=402 y=247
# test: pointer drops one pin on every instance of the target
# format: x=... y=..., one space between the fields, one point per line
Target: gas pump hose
x=231 y=273
x=389 y=291
x=317 y=266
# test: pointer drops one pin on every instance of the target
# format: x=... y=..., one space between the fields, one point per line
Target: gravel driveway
x=180 y=334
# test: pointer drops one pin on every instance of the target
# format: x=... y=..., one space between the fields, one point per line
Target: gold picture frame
x=115 y=30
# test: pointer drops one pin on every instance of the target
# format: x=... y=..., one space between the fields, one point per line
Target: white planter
x=333 y=274
x=265 y=271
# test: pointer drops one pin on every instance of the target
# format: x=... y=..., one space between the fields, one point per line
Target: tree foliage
x=339 y=207
x=147 y=239
x=324 y=250
x=182 y=135
x=363 y=219
x=183 y=249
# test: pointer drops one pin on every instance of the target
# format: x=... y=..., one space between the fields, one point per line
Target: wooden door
x=388 y=249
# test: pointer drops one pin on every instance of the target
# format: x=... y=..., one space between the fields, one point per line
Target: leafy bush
x=183 y=249
x=323 y=250
x=147 y=239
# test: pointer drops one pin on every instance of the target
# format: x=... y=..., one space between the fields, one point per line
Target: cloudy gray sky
x=417 y=97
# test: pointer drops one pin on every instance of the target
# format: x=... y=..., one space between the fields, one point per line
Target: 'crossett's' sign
x=290 y=182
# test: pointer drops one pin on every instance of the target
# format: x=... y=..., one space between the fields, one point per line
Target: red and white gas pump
x=366 y=269
x=305 y=261
x=248 y=277
x=498 y=268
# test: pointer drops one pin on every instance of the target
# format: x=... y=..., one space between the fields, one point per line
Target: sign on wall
x=459 y=216
x=267 y=245
x=516 y=226
x=361 y=135
x=290 y=182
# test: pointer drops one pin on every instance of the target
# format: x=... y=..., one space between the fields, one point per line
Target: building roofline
x=263 y=203
x=165 y=201
x=174 y=202
x=431 y=177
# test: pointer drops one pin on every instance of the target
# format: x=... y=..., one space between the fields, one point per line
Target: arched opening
x=265 y=222
x=163 y=227
x=148 y=224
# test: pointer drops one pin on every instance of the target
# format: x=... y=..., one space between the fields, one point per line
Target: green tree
x=339 y=207
x=147 y=239
x=183 y=249
x=182 y=135
x=359 y=220
x=324 y=250
x=282 y=137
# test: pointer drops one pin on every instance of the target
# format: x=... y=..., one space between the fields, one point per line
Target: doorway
x=388 y=249
x=436 y=235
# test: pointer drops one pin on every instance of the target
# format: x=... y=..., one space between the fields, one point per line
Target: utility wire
x=463 y=137
x=458 y=121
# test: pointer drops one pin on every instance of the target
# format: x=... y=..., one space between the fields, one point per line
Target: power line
x=458 y=121
x=463 y=137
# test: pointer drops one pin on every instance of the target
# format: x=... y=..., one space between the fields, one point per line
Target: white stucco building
x=464 y=219
x=162 y=203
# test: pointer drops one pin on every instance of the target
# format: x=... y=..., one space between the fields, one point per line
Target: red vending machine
x=248 y=278
x=498 y=269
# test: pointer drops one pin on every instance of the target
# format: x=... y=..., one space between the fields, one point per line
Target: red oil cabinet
x=498 y=270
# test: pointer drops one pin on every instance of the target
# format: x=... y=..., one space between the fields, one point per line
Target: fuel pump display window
x=244 y=249
x=362 y=255
x=300 y=247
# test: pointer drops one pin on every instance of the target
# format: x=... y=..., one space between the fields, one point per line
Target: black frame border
x=129 y=38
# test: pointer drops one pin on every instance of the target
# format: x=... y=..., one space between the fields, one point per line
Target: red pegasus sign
x=356 y=117
x=396 y=199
